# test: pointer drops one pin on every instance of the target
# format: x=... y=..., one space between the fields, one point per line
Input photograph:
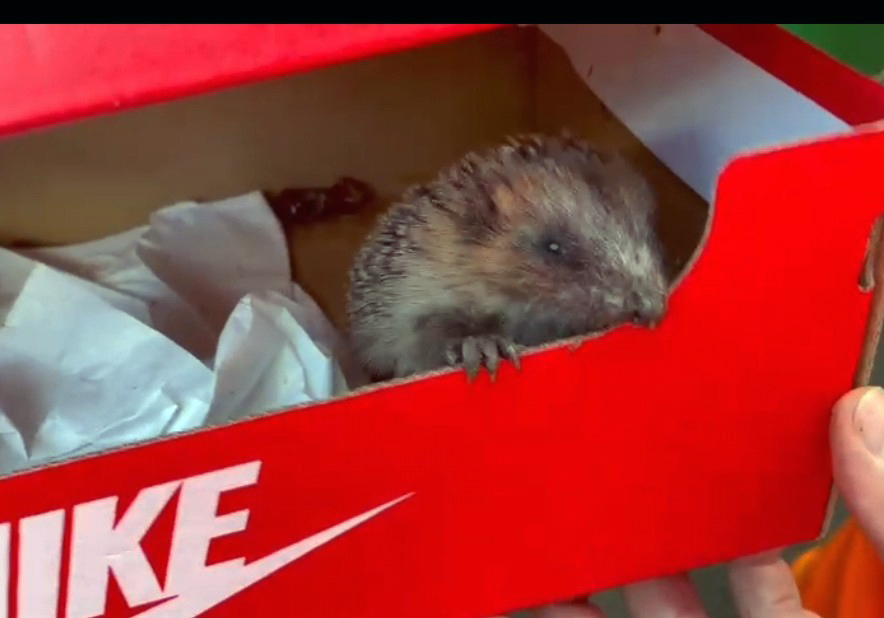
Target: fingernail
x=868 y=419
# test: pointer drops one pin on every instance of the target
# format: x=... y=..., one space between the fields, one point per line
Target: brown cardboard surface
x=392 y=121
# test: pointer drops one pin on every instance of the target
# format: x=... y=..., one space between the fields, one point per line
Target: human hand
x=763 y=585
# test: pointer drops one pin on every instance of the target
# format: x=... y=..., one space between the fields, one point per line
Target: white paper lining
x=189 y=321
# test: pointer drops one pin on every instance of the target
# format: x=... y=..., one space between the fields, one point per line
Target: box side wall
x=697 y=104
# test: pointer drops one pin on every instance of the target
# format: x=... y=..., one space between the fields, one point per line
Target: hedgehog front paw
x=472 y=353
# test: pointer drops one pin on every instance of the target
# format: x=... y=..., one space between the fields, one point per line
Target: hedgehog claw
x=472 y=357
x=473 y=353
x=511 y=353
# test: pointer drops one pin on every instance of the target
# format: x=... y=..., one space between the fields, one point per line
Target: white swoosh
x=219 y=584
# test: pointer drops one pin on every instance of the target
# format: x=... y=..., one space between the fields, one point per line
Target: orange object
x=843 y=578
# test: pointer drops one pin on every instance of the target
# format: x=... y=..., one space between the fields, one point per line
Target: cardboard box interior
x=391 y=121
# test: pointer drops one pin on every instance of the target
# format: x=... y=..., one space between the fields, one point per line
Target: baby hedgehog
x=535 y=240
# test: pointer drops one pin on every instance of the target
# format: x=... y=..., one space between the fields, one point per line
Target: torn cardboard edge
x=871 y=280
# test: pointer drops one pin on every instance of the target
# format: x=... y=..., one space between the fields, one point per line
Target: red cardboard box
x=627 y=456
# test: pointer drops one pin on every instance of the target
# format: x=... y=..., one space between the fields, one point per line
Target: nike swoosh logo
x=225 y=580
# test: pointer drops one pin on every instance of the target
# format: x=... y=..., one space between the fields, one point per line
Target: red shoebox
x=631 y=455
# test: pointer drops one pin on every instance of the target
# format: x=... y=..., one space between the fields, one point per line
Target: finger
x=669 y=597
x=857 y=437
x=763 y=587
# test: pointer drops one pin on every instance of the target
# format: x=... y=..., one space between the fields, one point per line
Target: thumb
x=857 y=437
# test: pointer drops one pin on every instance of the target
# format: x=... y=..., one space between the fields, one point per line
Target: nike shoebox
x=600 y=462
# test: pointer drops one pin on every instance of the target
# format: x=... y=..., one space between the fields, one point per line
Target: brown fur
x=534 y=240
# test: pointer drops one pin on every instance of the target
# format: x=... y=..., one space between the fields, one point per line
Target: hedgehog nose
x=647 y=309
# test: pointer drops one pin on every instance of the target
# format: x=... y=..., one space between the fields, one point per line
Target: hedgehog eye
x=553 y=247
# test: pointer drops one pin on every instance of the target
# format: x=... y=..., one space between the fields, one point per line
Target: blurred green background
x=860 y=46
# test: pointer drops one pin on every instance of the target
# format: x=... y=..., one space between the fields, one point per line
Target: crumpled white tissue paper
x=189 y=321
